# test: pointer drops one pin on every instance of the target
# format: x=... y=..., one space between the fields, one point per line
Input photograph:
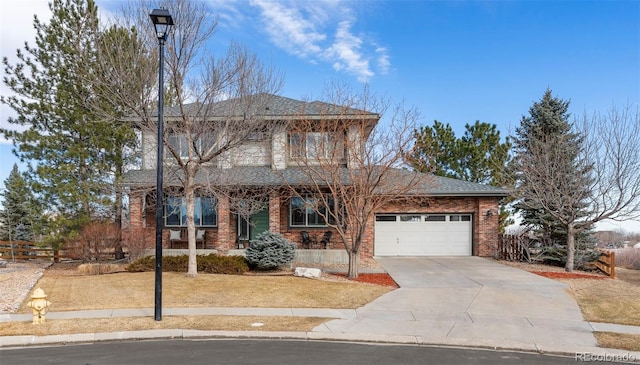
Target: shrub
x=95 y=241
x=99 y=269
x=270 y=250
x=136 y=244
x=557 y=256
x=215 y=264
x=210 y=264
x=628 y=258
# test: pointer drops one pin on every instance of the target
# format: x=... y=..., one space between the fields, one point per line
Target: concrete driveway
x=471 y=301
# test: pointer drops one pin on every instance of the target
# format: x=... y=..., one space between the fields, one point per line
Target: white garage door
x=423 y=235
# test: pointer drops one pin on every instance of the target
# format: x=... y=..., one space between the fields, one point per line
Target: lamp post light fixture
x=162 y=21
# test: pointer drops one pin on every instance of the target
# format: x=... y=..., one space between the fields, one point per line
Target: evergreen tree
x=553 y=180
x=21 y=212
x=69 y=149
x=432 y=149
x=122 y=135
x=479 y=156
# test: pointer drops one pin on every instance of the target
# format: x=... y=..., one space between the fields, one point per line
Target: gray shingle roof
x=268 y=105
x=428 y=184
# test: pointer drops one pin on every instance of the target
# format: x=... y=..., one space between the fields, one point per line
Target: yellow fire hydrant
x=39 y=305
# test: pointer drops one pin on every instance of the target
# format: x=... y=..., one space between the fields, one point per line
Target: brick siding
x=223 y=238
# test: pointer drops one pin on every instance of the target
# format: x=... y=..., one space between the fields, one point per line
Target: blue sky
x=456 y=61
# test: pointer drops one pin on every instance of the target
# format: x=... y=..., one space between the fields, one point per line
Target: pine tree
x=69 y=149
x=21 y=212
x=434 y=150
x=479 y=156
x=553 y=181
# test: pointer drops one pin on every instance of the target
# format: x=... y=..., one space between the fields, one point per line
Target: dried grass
x=209 y=323
x=100 y=269
x=618 y=340
x=630 y=276
x=628 y=258
x=609 y=300
x=136 y=290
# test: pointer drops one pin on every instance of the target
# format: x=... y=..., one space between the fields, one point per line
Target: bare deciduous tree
x=605 y=183
x=213 y=103
x=352 y=162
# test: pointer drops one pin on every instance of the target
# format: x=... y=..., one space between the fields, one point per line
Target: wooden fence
x=513 y=247
x=607 y=263
x=23 y=250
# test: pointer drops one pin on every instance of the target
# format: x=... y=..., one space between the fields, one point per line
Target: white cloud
x=16 y=27
x=229 y=12
x=384 y=61
x=321 y=32
x=289 y=29
x=347 y=50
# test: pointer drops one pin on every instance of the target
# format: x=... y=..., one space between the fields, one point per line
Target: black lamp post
x=162 y=21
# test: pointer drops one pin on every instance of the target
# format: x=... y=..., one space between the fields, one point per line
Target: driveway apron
x=471 y=301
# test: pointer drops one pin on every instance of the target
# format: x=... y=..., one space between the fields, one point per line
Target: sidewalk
x=362 y=334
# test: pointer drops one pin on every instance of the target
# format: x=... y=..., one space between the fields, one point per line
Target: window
x=410 y=218
x=303 y=211
x=311 y=145
x=385 y=218
x=435 y=218
x=460 y=218
x=179 y=143
x=205 y=213
x=258 y=134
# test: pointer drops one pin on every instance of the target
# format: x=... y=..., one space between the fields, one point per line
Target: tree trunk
x=191 y=226
x=354 y=264
x=119 y=252
x=571 y=247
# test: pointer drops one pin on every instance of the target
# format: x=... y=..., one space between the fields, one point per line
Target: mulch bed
x=375 y=278
x=568 y=275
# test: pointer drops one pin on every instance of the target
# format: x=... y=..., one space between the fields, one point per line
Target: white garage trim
x=423 y=234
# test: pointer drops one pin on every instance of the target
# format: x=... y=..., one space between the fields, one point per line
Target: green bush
x=211 y=264
x=270 y=250
x=147 y=263
x=557 y=256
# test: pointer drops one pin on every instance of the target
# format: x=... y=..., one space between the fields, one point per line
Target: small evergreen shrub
x=210 y=264
x=147 y=263
x=557 y=256
x=270 y=250
x=216 y=264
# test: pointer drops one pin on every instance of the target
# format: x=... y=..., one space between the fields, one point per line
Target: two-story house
x=450 y=217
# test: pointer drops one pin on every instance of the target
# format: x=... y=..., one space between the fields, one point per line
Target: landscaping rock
x=3 y=263
x=307 y=272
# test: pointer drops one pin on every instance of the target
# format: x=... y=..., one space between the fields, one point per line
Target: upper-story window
x=205 y=213
x=311 y=145
x=258 y=134
x=179 y=144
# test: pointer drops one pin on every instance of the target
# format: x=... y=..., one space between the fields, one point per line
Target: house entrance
x=249 y=229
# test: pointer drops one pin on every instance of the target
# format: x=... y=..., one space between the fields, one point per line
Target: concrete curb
x=186 y=334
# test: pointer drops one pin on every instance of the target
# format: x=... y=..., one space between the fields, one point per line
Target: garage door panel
x=430 y=235
x=386 y=235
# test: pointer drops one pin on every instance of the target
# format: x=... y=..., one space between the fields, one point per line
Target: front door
x=249 y=229
x=259 y=223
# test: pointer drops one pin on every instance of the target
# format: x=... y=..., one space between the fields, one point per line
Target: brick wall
x=485 y=228
x=274 y=213
x=223 y=238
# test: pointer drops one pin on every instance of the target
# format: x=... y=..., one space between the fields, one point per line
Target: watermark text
x=589 y=356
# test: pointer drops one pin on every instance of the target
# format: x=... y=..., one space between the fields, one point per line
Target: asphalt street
x=264 y=352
